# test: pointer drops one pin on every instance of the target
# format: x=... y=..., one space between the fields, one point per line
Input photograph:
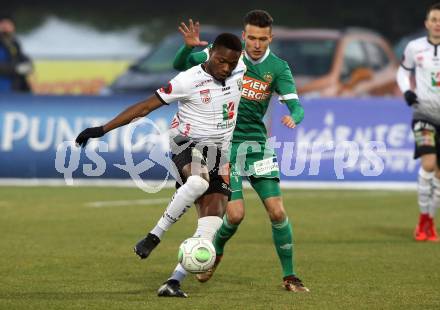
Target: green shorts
x=257 y=163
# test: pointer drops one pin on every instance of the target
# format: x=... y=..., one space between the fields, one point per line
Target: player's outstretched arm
x=285 y=86
x=133 y=112
x=185 y=59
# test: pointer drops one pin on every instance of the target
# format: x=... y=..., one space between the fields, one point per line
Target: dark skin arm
x=133 y=112
x=137 y=110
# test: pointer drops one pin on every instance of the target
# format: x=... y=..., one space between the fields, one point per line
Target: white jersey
x=424 y=57
x=207 y=108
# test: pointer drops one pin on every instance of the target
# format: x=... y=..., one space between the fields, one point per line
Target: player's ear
x=243 y=35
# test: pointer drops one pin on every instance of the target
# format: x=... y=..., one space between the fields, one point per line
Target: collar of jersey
x=429 y=41
x=259 y=61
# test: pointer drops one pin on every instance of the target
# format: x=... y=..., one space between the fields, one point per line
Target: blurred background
x=92 y=54
x=83 y=47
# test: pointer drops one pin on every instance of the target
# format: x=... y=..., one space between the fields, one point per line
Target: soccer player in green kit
x=266 y=74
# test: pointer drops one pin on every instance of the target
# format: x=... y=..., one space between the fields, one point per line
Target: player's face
x=432 y=23
x=222 y=62
x=256 y=40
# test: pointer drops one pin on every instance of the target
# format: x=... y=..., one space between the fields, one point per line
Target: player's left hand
x=288 y=121
x=191 y=34
x=86 y=134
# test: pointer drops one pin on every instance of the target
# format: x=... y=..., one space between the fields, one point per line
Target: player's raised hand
x=86 y=134
x=191 y=34
x=288 y=121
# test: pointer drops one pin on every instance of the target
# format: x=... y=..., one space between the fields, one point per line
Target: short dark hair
x=228 y=40
x=432 y=8
x=259 y=18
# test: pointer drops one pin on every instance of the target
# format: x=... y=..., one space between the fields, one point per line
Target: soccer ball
x=196 y=255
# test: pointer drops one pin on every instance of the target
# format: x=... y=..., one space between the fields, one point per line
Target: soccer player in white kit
x=201 y=131
x=422 y=56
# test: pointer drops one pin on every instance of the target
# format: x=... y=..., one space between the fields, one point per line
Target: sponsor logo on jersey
x=228 y=110
x=205 y=96
x=202 y=83
x=268 y=77
x=435 y=79
x=254 y=89
x=226 y=88
x=228 y=116
x=167 y=90
x=226 y=124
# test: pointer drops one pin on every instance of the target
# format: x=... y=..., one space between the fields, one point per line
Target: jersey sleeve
x=286 y=90
x=408 y=58
x=185 y=59
x=174 y=91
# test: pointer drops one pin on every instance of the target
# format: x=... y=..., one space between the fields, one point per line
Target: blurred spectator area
x=73 y=58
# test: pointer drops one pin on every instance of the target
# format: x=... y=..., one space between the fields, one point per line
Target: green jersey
x=265 y=76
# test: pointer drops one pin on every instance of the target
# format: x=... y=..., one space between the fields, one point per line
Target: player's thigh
x=268 y=189
x=213 y=202
x=189 y=161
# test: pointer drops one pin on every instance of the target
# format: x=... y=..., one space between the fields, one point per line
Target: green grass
x=353 y=250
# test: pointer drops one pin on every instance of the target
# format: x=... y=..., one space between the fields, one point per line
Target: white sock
x=182 y=199
x=206 y=228
x=425 y=190
x=435 y=204
x=179 y=273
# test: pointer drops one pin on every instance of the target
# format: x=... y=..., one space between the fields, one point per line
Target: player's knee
x=277 y=215
x=235 y=216
x=428 y=163
x=197 y=185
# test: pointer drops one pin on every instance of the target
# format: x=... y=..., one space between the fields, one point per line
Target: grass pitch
x=353 y=249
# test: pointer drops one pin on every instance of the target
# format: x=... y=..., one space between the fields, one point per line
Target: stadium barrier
x=357 y=143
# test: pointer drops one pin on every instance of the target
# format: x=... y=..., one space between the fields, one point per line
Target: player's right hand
x=86 y=134
x=288 y=121
x=410 y=97
x=191 y=34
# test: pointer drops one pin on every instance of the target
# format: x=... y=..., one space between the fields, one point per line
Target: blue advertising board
x=339 y=140
x=347 y=140
x=37 y=134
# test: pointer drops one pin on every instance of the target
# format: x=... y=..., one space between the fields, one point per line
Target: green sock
x=283 y=241
x=226 y=231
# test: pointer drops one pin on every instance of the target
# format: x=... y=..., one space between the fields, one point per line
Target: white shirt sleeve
x=403 y=79
x=175 y=90
x=408 y=58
